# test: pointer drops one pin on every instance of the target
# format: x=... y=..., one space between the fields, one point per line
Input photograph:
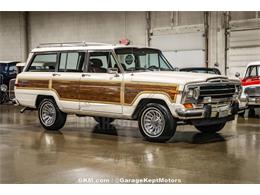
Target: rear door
x=65 y=81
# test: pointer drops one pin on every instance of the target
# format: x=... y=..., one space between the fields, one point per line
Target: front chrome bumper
x=15 y=102
x=253 y=101
x=243 y=104
x=208 y=111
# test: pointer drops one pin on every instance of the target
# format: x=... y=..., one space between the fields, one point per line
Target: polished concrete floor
x=82 y=152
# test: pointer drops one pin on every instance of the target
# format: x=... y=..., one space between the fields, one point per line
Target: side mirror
x=237 y=74
x=113 y=71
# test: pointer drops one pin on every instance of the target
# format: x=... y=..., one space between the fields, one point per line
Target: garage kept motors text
x=149 y=180
x=144 y=180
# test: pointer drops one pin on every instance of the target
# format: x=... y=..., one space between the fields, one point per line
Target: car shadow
x=197 y=138
x=107 y=129
x=180 y=136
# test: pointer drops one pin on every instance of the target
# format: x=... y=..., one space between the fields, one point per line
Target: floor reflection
x=83 y=148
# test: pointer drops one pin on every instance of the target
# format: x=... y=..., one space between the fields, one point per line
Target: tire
x=1 y=98
x=103 y=120
x=211 y=128
x=162 y=129
x=251 y=112
x=55 y=117
x=241 y=114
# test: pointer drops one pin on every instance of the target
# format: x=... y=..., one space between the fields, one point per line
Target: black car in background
x=8 y=71
x=201 y=70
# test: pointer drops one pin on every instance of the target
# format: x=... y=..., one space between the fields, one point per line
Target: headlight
x=3 y=88
x=193 y=93
x=238 y=90
x=196 y=93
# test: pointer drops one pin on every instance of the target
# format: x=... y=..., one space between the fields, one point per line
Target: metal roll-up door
x=182 y=49
x=243 y=47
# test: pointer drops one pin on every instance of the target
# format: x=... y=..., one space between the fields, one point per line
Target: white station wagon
x=123 y=82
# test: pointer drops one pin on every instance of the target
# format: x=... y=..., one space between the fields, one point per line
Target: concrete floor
x=82 y=151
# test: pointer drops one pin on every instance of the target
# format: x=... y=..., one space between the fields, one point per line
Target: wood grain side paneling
x=133 y=90
x=34 y=84
x=66 y=89
x=100 y=91
x=107 y=92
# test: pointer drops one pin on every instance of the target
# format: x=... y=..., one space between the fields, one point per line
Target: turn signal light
x=188 y=105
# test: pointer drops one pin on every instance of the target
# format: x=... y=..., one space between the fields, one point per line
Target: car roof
x=253 y=63
x=7 y=62
x=48 y=47
x=198 y=68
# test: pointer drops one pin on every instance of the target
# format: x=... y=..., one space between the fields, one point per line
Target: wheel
x=50 y=116
x=103 y=120
x=211 y=128
x=251 y=112
x=156 y=123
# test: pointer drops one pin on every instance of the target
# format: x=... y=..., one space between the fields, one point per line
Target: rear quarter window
x=43 y=63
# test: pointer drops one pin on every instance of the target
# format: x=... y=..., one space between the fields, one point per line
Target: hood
x=174 y=77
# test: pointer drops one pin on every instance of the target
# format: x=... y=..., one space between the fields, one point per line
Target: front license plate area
x=223 y=112
x=257 y=100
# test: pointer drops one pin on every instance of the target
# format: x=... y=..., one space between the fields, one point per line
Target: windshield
x=142 y=59
x=253 y=71
x=3 y=68
x=207 y=71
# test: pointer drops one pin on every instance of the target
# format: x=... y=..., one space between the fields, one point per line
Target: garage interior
x=83 y=149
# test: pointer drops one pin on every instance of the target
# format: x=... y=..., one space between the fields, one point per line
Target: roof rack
x=71 y=44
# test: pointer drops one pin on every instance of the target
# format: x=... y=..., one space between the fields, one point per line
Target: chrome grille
x=11 y=89
x=252 y=91
x=217 y=91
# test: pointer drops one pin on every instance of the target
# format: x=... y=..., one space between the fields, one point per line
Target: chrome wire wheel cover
x=153 y=122
x=48 y=113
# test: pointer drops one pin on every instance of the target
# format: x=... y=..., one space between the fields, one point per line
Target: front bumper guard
x=15 y=102
x=207 y=111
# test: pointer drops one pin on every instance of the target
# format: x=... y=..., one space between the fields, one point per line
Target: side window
x=71 y=62
x=163 y=64
x=3 y=68
x=127 y=61
x=12 y=69
x=99 y=62
x=43 y=63
x=149 y=60
x=251 y=72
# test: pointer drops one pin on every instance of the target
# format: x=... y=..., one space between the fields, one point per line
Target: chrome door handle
x=85 y=75
x=55 y=74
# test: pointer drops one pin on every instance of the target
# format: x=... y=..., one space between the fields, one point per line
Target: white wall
x=108 y=27
x=12 y=36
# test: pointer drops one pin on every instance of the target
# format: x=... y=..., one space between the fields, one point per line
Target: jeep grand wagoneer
x=123 y=82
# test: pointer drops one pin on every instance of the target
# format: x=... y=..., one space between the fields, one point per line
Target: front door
x=101 y=91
